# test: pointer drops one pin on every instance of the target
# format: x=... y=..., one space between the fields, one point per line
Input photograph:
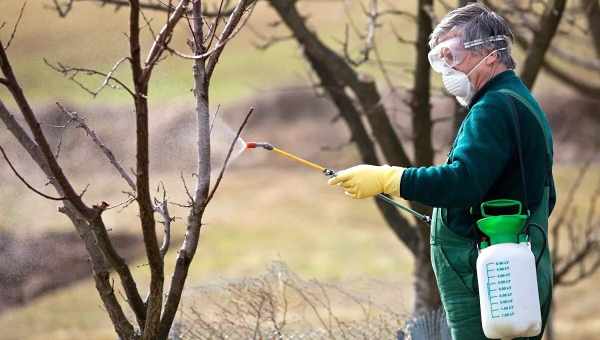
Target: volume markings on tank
x=499 y=286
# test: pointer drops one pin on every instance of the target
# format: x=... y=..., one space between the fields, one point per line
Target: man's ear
x=492 y=58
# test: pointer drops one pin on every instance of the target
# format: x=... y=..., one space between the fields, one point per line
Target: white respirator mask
x=452 y=52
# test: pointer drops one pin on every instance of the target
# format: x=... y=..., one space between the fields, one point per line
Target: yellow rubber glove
x=364 y=181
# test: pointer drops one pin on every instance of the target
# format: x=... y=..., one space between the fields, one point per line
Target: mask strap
x=481 y=61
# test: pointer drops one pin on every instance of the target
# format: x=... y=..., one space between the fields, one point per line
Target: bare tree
x=559 y=20
x=153 y=316
x=357 y=97
x=575 y=241
x=361 y=104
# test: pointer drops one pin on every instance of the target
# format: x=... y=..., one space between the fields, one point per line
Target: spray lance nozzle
x=265 y=146
x=332 y=173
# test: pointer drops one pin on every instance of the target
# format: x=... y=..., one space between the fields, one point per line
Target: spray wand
x=331 y=173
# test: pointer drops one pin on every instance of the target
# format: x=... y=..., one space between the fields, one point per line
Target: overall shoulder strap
x=515 y=119
x=538 y=119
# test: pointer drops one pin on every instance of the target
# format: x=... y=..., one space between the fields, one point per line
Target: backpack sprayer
x=331 y=173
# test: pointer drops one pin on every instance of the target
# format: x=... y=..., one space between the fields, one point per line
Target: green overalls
x=457 y=279
x=482 y=166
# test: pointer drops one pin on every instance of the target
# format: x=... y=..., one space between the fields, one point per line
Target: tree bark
x=426 y=293
x=146 y=207
x=536 y=51
x=194 y=224
x=460 y=112
x=100 y=267
x=592 y=13
x=405 y=232
x=336 y=75
x=365 y=90
x=549 y=333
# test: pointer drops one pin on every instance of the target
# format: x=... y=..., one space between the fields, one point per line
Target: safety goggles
x=449 y=53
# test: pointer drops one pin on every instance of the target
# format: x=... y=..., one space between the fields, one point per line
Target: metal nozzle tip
x=252 y=145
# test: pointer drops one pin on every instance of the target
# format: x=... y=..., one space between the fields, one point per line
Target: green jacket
x=483 y=163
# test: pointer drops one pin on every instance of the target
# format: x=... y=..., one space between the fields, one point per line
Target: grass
x=94 y=38
x=276 y=215
x=281 y=215
x=291 y=225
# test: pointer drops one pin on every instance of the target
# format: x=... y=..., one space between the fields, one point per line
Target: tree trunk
x=426 y=293
x=460 y=112
x=336 y=76
x=427 y=296
x=592 y=12
x=549 y=334
x=541 y=41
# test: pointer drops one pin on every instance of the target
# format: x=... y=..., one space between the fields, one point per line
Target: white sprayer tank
x=508 y=293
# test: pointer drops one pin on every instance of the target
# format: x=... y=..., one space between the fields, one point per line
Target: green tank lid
x=502 y=220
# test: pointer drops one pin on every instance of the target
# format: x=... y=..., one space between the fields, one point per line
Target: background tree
x=360 y=102
x=153 y=314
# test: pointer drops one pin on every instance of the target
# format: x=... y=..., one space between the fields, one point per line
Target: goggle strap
x=482 y=41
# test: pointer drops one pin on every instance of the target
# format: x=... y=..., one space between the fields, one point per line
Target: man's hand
x=364 y=181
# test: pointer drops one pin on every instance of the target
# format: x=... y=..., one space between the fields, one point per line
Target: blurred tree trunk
x=460 y=112
x=541 y=41
x=592 y=13
x=424 y=282
x=356 y=97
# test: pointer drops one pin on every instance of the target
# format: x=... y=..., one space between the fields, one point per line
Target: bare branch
x=230 y=30
x=62 y=12
x=14 y=31
x=187 y=191
x=383 y=69
x=40 y=138
x=213 y=30
x=72 y=72
x=25 y=182
x=267 y=41
x=75 y=117
x=401 y=39
x=140 y=77
x=335 y=77
x=212 y=123
x=589 y=64
x=162 y=208
x=583 y=256
x=80 y=218
x=231 y=147
x=156 y=5
x=148 y=24
x=213 y=53
x=162 y=40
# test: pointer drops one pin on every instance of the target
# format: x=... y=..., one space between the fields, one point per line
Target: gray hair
x=477 y=22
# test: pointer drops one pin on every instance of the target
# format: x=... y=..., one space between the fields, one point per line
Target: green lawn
x=290 y=216
x=286 y=215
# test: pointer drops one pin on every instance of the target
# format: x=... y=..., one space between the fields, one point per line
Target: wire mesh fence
x=280 y=305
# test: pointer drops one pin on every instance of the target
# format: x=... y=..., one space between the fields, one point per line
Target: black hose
x=537 y=261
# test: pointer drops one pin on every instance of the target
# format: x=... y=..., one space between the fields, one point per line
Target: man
x=471 y=49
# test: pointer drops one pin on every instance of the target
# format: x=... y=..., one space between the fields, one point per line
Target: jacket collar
x=498 y=81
